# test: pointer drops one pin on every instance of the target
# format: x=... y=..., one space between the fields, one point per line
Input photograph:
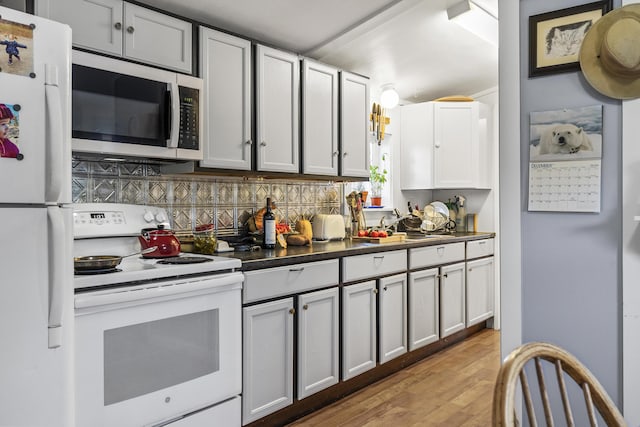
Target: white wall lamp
x=475 y=19
x=388 y=96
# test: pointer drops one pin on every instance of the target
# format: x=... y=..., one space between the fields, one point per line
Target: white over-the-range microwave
x=122 y=109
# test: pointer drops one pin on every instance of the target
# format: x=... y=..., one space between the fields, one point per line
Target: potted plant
x=377 y=178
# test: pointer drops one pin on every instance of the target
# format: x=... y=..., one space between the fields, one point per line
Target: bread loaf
x=297 y=240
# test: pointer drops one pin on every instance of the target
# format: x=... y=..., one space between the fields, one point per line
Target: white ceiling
x=409 y=43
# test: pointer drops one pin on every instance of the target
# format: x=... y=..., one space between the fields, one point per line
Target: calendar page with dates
x=565 y=186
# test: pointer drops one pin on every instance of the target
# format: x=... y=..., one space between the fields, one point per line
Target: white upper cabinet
x=441 y=146
x=225 y=67
x=354 y=120
x=319 y=119
x=123 y=29
x=277 y=110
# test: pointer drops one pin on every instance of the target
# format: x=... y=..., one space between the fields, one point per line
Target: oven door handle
x=170 y=290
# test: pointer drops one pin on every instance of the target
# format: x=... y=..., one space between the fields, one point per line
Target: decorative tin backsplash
x=192 y=200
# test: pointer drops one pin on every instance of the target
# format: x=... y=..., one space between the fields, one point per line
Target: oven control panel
x=92 y=220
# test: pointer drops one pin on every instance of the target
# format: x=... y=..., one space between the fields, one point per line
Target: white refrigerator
x=36 y=265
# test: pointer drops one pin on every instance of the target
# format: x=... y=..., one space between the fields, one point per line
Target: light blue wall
x=571 y=262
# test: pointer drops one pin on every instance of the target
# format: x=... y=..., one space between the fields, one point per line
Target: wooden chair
x=566 y=366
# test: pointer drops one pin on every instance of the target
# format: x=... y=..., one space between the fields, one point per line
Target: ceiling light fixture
x=388 y=96
x=475 y=19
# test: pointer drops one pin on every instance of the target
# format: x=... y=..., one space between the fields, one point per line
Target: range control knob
x=148 y=216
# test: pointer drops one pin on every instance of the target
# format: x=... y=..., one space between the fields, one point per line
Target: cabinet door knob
x=263 y=144
x=130 y=30
x=385 y=288
x=445 y=275
x=470 y=269
x=375 y=291
x=292 y=311
x=306 y=306
x=335 y=153
x=344 y=154
x=249 y=142
x=437 y=144
x=117 y=26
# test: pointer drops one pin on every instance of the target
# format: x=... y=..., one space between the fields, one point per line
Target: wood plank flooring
x=452 y=388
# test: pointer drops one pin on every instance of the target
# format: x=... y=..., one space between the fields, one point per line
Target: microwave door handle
x=174 y=115
x=54 y=132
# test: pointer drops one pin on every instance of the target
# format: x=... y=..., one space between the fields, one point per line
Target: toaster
x=328 y=227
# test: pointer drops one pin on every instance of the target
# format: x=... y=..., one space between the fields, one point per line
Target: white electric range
x=156 y=344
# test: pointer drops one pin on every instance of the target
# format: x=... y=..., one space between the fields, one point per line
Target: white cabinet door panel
x=359 y=317
x=423 y=308
x=319 y=119
x=354 y=125
x=393 y=316
x=267 y=359
x=277 y=98
x=452 y=299
x=225 y=66
x=318 y=363
x=480 y=290
x=157 y=39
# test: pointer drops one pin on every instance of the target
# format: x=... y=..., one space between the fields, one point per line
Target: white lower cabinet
x=359 y=317
x=452 y=298
x=423 y=308
x=480 y=290
x=393 y=316
x=318 y=341
x=267 y=365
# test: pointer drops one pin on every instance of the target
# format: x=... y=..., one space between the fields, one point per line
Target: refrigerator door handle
x=56 y=274
x=175 y=115
x=54 y=133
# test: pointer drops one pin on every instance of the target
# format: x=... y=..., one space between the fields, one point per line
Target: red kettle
x=167 y=243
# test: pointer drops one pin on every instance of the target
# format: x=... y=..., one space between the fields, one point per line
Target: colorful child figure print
x=12 y=45
x=7 y=147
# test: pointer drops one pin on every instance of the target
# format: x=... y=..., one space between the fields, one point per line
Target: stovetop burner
x=184 y=260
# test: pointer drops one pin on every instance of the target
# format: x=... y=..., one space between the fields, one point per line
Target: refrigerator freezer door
x=32 y=375
x=37 y=95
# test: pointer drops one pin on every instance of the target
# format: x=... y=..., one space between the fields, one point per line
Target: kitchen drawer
x=291 y=279
x=373 y=265
x=479 y=248
x=436 y=255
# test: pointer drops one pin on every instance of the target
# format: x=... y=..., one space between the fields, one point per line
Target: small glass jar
x=204 y=240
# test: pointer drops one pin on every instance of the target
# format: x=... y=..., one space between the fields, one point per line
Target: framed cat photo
x=555 y=37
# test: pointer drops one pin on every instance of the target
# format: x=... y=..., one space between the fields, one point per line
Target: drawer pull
x=292 y=311
x=482 y=243
x=379 y=257
x=296 y=269
x=375 y=291
x=306 y=306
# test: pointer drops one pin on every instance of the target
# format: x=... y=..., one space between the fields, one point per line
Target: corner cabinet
x=277 y=110
x=124 y=29
x=354 y=120
x=319 y=119
x=226 y=70
x=441 y=146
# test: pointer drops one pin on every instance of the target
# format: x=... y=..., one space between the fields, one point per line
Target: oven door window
x=146 y=357
x=108 y=106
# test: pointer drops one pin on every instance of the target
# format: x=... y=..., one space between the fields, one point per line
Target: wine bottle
x=269 y=221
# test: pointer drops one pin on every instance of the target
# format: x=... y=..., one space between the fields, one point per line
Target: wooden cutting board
x=398 y=237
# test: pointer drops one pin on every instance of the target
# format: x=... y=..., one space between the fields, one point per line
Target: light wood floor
x=451 y=388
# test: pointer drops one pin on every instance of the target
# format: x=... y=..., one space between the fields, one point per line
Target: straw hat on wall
x=610 y=53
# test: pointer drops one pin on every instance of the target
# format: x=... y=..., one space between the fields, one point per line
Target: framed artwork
x=555 y=37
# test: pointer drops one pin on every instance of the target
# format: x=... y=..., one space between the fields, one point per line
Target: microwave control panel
x=189 y=121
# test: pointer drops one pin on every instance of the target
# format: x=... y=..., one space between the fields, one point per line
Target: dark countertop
x=319 y=251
